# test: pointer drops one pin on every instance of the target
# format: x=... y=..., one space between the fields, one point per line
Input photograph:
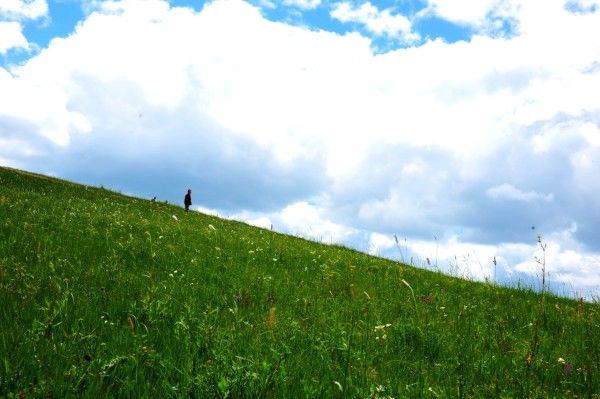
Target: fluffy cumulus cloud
x=12 y=15
x=379 y=22
x=478 y=14
x=11 y=36
x=465 y=151
x=304 y=4
x=23 y=9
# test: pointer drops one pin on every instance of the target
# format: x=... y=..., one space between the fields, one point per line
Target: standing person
x=187 y=201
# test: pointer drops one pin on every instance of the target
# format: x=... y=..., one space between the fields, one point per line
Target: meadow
x=104 y=295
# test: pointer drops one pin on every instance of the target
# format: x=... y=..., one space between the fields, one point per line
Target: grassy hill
x=107 y=295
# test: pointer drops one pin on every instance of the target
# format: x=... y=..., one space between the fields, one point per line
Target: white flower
x=381 y=327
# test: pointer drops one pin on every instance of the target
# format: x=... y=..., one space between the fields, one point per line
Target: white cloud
x=306 y=220
x=209 y=211
x=12 y=14
x=507 y=191
x=570 y=270
x=301 y=219
x=23 y=9
x=11 y=36
x=380 y=242
x=304 y=4
x=140 y=10
x=567 y=264
x=462 y=11
x=261 y=221
x=42 y=106
x=378 y=22
x=455 y=257
x=522 y=17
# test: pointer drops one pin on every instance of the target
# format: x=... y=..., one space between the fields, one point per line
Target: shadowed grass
x=107 y=295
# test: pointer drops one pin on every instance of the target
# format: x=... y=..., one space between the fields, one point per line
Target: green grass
x=112 y=296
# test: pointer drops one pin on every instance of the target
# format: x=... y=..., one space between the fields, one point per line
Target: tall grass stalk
x=541 y=307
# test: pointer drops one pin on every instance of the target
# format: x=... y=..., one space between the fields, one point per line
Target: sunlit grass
x=107 y=295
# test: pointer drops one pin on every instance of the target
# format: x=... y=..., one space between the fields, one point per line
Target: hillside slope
x=108 y=295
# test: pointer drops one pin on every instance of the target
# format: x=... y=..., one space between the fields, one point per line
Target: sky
x=445 y=133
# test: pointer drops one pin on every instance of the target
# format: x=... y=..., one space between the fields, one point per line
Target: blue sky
x=465 y=129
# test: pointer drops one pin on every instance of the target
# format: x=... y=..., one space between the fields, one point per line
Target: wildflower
x=382 y=326
x=567 y=369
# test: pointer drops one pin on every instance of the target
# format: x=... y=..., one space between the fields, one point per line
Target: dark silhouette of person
x=187 y=201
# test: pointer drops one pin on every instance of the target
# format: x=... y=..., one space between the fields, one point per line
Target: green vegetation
x=107 y=295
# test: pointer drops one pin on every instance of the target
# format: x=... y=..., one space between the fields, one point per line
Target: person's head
x=189 y=191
